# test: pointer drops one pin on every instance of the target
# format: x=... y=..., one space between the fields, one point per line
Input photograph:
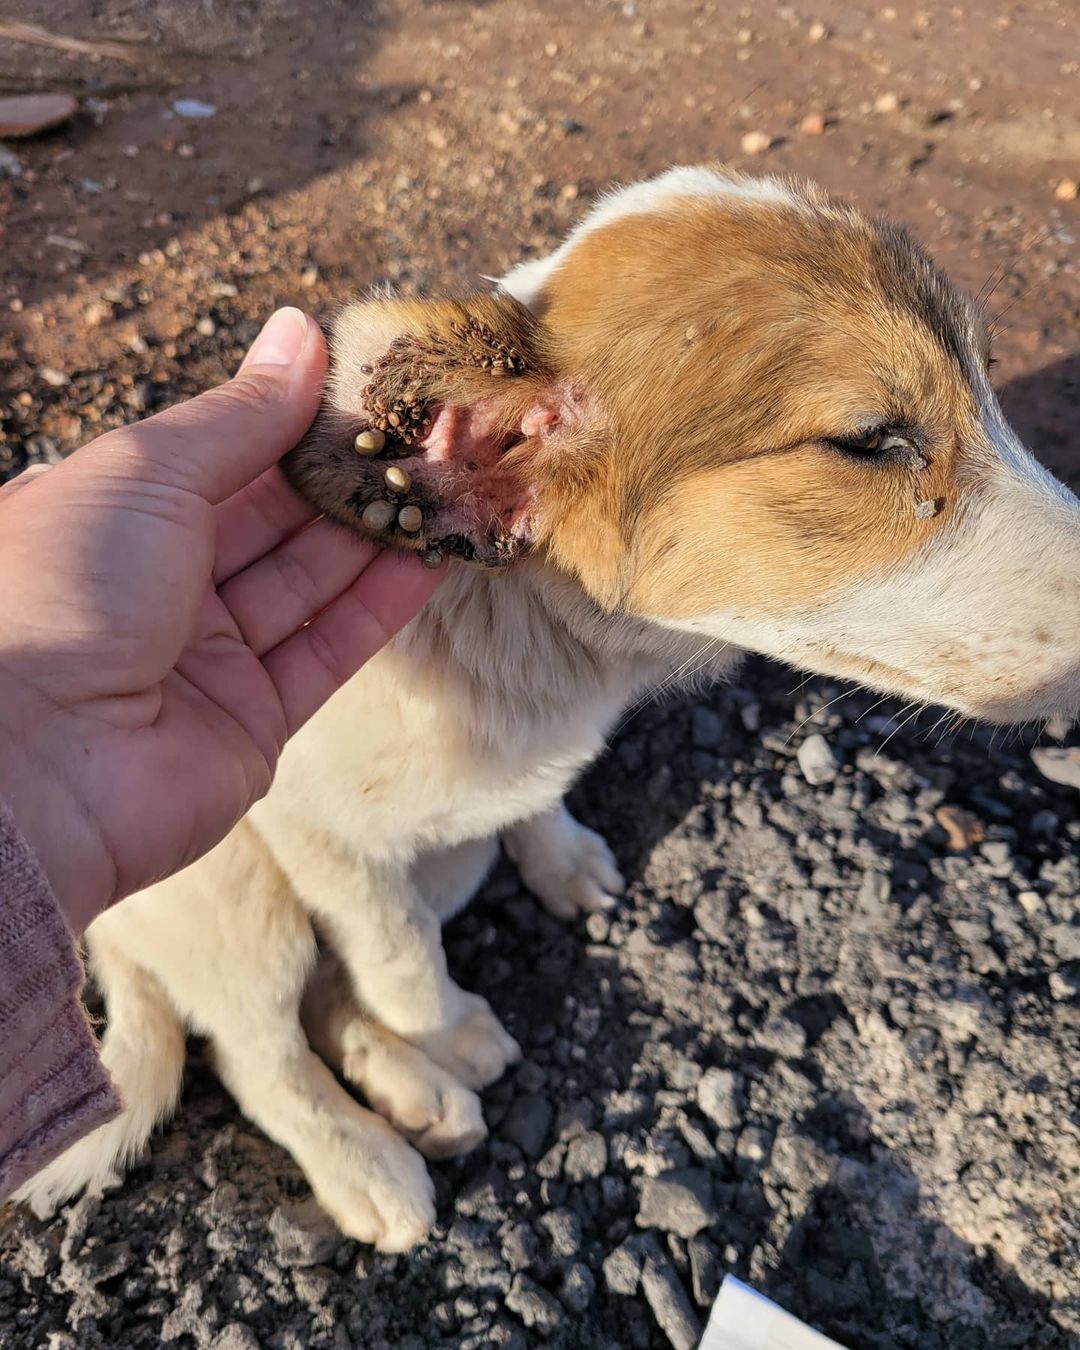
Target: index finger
x=315 y=662
x=256 y=519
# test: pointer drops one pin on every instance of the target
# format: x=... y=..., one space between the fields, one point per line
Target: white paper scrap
x=743 y=1319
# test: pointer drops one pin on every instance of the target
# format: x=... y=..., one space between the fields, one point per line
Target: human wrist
x=54 y=822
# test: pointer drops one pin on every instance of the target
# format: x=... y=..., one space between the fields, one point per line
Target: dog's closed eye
x=880 y=444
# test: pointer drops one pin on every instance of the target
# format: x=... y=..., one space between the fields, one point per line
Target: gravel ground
x=816 y=1047
x=829 y=1040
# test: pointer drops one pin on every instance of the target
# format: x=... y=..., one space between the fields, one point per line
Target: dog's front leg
x=567 y=866
x=390 y=941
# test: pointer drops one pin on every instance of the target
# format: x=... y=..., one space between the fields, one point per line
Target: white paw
x=422 y=1101
x=567 y=866
x=375 y=1187
x=476 y=1048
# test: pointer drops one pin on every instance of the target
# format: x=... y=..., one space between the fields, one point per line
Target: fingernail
x=281 y=339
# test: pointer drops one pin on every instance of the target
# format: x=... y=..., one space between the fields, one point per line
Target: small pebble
x=962 y=828
x=817 y=761
x=193 y=107
x=755 y=143
x=678 y=1201
x=1059 y=765
x=1067 y=190
x=817 y=32
x=813 y=124
x=886 y=103
x=718 y=1097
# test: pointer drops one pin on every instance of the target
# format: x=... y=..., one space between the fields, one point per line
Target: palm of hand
x=177 y=616
x=167 y=722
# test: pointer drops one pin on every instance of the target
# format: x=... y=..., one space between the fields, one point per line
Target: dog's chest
x=381 y=774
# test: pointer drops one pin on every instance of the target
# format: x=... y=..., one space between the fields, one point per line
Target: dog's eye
x=870 y=444
x=865 y=443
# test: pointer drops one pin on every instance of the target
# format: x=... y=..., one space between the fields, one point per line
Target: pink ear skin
x=539 y=421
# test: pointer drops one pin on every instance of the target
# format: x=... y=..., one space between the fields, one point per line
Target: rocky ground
x=829 y=1041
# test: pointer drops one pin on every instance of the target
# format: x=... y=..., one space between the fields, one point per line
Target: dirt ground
x=817 y=1047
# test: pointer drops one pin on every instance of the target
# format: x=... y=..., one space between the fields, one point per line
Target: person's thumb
x=216 y=443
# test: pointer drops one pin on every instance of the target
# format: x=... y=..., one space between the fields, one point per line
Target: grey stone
x=520 y=1247
x=578 y=1287
x=670 y=1306
x=874 y=891
x=303 y=1234
x=533 y=1305
x=586 y=1157
x=783 y=1037
x=706 y=729
x=718 y=1097
x=235 y=1336
x=679 y=1201
x=705 y=1274
x=622 y=1271
x=527 y=1123
x=1065 y=940
x=817 y=761
x=563 y=1228
x=753 y=1147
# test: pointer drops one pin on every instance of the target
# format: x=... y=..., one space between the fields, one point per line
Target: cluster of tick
x=397 y=412
x=393 y=397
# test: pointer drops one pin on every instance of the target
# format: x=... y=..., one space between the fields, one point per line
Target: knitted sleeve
x=53 y=1087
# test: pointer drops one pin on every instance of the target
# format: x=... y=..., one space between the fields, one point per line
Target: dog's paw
x=567 y=866
x=380 y=1191
x=422 y=1101
x=476 y=1048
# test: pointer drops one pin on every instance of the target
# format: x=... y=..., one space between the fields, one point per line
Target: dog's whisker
x=846 y=693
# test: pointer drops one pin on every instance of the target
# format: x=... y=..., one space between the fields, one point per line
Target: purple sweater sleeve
x=53 y=1087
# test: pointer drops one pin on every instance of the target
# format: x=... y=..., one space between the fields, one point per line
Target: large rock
x=679 y=1201
x=29 y=114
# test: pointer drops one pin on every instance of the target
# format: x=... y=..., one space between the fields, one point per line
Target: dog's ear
x=446 y=428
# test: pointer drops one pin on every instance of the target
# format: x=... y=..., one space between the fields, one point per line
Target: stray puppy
x=726 y=414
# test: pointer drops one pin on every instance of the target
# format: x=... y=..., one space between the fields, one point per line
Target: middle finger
x=292 y=583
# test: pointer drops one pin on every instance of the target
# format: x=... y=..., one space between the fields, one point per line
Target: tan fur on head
x=728 y=341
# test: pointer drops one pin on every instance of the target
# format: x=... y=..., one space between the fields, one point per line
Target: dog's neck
x=532 y=646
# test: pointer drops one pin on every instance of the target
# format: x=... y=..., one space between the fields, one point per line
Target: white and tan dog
x=725 y=415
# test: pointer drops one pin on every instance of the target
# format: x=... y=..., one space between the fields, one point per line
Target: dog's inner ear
x=439 y=427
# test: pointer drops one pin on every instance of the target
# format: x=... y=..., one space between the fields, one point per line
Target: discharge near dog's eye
x=424 y=437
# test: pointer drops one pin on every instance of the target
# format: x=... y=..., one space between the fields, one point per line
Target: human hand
x=171 y=616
